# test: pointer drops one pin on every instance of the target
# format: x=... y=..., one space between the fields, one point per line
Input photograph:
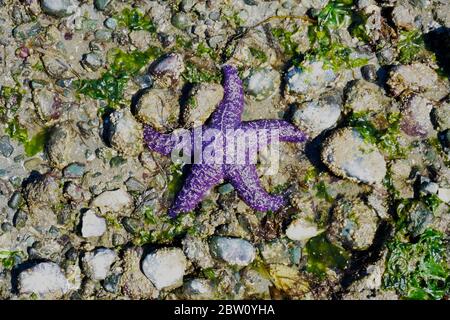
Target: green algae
x=418 y=270
x=33 y=145
x=323 y=255
x=134 y=19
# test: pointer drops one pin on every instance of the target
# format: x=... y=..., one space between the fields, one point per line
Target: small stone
x=369 y=72
x=144 y=81
x=101 y=35
x=262 y=83
x=186 y=5
x=71 y=254
x=354 y=224
x=215 y=15
x=56 y=66
x=302 y=230
x=203 y=100
x=167 y=70
x=428 y=187
x=111 y=283
x=158 y=108
x=275 y=251
x=417 y=77
x=111 y=23
x=92 y=225
x=347 y=155
x=74 y=170
x=101 y=4
x=198 y=289
x=124 y=133
x=117 y=161
x=197 y=251
x=27 y=30
x=74 y=192
x=16 y=200
x=113 y=201
x=226 y=188
x=320 y=114
x=419 y=218
x=404 y=16
x=92 y=61
x=45 y=278
x=6 y=149
x=59 y=8
x=444 y=194
x=416 y=121
x=134 y=185
x=6 y=227
x=132 y=225
x=20 y=218
x=365 y=96
x=98 y=263
x=257 y=286
x=165 y=267
x=234 y=251
x=310 y=80
x=181 y=21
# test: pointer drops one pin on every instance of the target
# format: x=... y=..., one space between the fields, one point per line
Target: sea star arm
x=229 y=111
x=160 y=142
x=286 y=131
x=245 y=180
x=201 y=178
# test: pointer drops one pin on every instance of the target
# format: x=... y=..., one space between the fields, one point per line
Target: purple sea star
x=243 y=177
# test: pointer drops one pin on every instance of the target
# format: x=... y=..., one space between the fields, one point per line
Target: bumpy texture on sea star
x=244 y=178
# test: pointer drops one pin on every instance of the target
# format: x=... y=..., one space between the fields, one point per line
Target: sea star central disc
x=244 y=178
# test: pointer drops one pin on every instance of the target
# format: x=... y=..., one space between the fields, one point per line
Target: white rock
x=316 y=116
x=347 y=155
x=98 y=263
x=301 y=230
x=234 y=251
x=165 y=267
x=113 y=201
x=310 y=79
x=44 y=279
x=92 y=225
x=444 y=194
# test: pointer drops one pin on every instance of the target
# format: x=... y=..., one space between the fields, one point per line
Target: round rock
x=302 y=230
x=310 y=79
x=158 y=108
x=364 y=96
x=318 y=115
x=113 y=201
x=92 y=225
x=97 y=263
x=347 y=155
x=59 y=8
x=262 y=83
x=202 y=102
x=354 y=224
x=234 y=251
x=124 y=133
x=165 y=268
x=45 y=278
x=168 y=69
